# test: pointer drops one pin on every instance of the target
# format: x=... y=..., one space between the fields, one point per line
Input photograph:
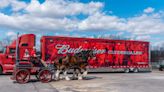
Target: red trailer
x=110 y=55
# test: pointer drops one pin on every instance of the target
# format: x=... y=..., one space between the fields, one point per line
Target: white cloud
x=142 y=24
x=157 y=45
x=15 y=4
x=61 y=8
x=149 y=10
x=100 y=21
x=10 y=33
x=145 y=24
x=4 y=3
x=120 y=33
x=18 y=5
x=52 y=16
x=31 y=23
x=143 y=37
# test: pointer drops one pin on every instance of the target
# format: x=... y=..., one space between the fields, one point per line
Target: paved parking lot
x=102 y=82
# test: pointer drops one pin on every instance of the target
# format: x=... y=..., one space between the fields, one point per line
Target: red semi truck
x=110 y=55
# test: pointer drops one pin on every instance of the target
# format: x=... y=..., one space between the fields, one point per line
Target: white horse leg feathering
x=75 y=73
x=57 y=75
x=79 y=75
x=85 y=73
x=66 y=76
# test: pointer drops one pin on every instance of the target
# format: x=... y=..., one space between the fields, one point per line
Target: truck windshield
x=12 y=51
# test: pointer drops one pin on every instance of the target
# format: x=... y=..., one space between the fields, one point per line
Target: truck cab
x=8 y=57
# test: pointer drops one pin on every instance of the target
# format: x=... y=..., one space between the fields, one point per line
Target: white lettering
x=63 y=49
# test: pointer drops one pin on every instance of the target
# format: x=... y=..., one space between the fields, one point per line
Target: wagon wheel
x=22 y=76
x=45 y=76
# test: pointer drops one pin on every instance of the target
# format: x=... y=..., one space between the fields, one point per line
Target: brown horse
x=61 y=64
x=77 y=62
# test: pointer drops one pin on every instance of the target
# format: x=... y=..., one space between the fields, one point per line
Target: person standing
x=26 y=55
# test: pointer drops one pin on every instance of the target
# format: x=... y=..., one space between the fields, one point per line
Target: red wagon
x=24 y=69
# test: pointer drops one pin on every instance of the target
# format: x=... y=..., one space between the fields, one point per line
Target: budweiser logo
x=63 y=49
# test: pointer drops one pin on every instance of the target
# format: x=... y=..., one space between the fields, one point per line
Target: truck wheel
x=135 y=70
x=126 y=70
x=1 y=70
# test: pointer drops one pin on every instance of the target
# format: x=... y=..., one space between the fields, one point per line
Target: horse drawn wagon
x=44 y=72
x=24 y=68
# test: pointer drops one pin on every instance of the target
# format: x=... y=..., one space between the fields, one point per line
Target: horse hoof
x=67 y=78
x=57 y=79
x=61 y=77
x=85 y=73
x=80 y=78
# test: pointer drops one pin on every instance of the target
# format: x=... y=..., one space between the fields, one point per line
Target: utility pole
x=17 y=48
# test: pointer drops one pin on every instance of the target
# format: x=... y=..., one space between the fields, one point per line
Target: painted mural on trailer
x=121 y=53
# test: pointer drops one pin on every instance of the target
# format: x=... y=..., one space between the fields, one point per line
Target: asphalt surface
x=7 y=85
x=101 y=82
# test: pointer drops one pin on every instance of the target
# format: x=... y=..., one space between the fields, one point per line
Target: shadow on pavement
x=91 y=78
x=118 y=72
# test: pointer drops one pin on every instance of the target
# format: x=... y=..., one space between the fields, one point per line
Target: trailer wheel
x=22 y=76
x=126 y=70
x=135 y=70
x=45 y=76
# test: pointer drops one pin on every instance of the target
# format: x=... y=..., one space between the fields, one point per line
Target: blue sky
x=127 y=8
x=134 y=19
